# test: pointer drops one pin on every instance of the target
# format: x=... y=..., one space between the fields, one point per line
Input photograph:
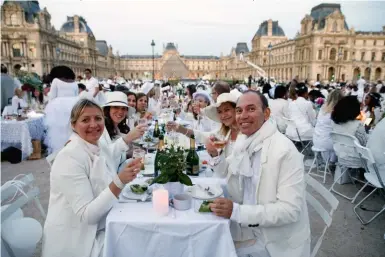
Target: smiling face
x=201 y=101
x=117 y=114
x=250 y=115
x=142 y=104
x=90 y=125
x=226 y=113
x=131 y=101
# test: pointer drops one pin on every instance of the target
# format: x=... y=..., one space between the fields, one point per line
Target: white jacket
x=281 y=215
x=79 y=199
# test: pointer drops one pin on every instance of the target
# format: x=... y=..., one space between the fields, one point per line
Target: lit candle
x=160 y=201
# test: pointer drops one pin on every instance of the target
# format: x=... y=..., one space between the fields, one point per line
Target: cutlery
x=171 y=204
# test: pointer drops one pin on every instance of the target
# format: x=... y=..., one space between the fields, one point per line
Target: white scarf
x=100 y=175
x=239 y=160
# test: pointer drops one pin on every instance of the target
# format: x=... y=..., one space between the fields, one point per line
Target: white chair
x=327 y=216
x=317 y=155
x=19 y=235
x=373 y=178
x=348 y=143
x=304 y=145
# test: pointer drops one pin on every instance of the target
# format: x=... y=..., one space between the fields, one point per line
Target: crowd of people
x=91 y=126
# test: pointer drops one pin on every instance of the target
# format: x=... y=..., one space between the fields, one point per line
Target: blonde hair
x=79 y=107
x=332 y=100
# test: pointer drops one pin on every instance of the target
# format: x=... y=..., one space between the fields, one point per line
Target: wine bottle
x=19 y=110
x=156 y=130
x=160 y=148
x=192 y=159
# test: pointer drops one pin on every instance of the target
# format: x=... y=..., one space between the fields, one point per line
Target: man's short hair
x=81 y=86
x=265 y=103
x=221 y=87
x=89 y=70
x=4 y=69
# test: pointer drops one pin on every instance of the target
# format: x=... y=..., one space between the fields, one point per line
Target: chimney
x=76 y=24
x=383 y=28
x=270 y=27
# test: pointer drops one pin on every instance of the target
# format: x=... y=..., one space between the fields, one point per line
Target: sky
x=199 y=27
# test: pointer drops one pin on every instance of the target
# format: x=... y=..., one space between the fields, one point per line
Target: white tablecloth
x=134 y=229
x=20 y=133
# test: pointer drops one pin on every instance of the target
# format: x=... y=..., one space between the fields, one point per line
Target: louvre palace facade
x=324 y=49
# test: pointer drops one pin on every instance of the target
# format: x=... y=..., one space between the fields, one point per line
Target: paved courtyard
x=347 y=237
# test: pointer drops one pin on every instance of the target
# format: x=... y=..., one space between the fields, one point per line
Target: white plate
x=127 y=193
x=198 y=191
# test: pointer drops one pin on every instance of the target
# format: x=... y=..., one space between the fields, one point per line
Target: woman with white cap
x=117 y=135
x=223 y=111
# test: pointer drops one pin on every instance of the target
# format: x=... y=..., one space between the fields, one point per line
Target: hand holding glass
x=219 y=142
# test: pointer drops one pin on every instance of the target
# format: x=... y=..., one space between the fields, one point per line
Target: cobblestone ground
x=347 y=237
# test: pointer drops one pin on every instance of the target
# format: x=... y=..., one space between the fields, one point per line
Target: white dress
x=63 y=96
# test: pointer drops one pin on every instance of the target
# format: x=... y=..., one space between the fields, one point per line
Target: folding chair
x=327 y=216
x=347 y=142
x=295 y=140
x=317 y=155
x=373 y=177
x=13 y=189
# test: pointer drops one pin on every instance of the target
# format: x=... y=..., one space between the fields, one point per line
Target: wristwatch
x=118 y=182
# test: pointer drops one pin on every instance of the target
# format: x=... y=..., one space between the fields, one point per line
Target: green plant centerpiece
x=171 y=163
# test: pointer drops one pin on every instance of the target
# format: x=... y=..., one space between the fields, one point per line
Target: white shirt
x=279 y=108
x=91 y=84
x=321 y=137
x=302 y=113
x=16 y=101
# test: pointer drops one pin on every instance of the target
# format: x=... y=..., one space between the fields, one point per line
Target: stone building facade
x=324 y=49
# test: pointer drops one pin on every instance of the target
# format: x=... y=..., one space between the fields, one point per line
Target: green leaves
x=171 y=163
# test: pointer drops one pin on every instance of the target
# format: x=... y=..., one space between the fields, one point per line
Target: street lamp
x=268 y=74
x=339 y=64
x=153 y=60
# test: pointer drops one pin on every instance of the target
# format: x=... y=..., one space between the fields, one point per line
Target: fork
x=207 y=189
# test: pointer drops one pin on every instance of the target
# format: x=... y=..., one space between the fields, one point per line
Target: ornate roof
x=102 y=47
x=320 y=12
x=69 y=26
x=241 y=48
x=31 y=8
x=277 y=30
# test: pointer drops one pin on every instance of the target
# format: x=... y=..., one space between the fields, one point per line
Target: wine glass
x=219 y=142
x=139 y=153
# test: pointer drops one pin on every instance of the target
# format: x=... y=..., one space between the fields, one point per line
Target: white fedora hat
x=211 y=111
x=118 y=98
x=147 y=87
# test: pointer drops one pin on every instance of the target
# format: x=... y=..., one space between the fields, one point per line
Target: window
x=319 y=54
x=364 y=42
x=345 y=55
x=333 y=53
x=373 y=56
x=334 y=26
x=375 y=42
x=362 y=56
x=383 y=56
x=16 y=50
x=14 y=20
x=353 y=55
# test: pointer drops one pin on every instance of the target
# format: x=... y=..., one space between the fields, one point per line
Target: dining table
x=19 y=132
x=134 y=228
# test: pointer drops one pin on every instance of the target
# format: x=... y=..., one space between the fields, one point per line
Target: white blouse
x=302 y=113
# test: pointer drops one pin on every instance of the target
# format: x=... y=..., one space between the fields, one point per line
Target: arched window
x=14 y=19
x=333 y=53
x=335 y=27
x=16 y=50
